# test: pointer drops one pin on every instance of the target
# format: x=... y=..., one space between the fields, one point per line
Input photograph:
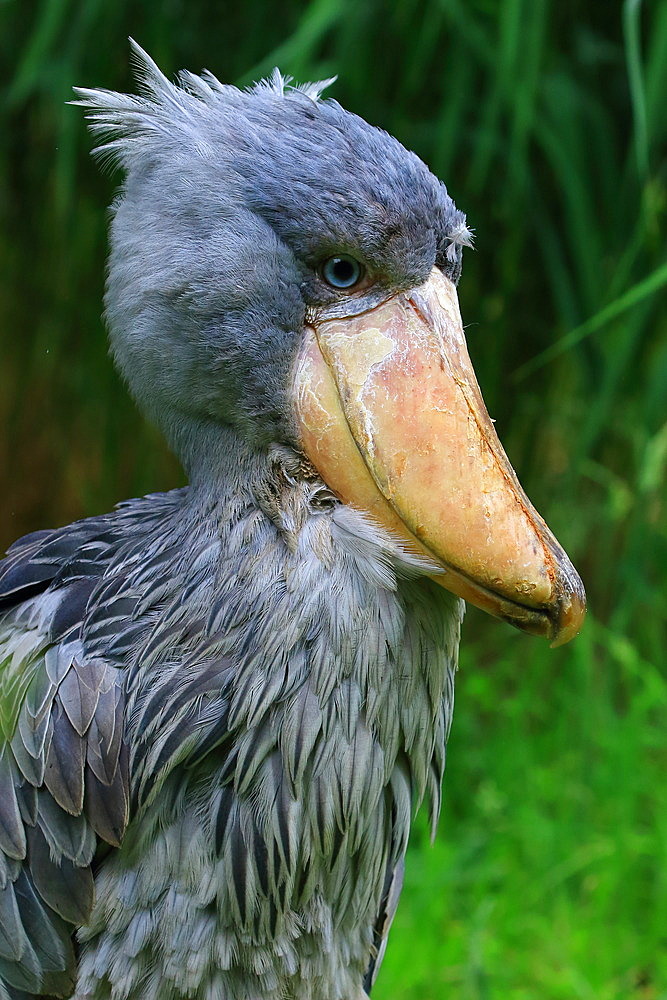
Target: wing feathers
x=31 y=768
x=65 y=834
x=49 y=934
x=66 y=888
x=64 y=763
x=63 y=783
x=80 y=694
x=12 y=834
x=13 y=941
x=107 y=805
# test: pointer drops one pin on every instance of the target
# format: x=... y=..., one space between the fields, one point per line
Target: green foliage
x=548 y=875
x=547 y=121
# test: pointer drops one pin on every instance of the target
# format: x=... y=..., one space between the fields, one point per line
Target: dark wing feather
x=399 y=807
x=63 y=766
x=391 y=894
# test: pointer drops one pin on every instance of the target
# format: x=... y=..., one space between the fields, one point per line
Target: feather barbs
x=129 y=124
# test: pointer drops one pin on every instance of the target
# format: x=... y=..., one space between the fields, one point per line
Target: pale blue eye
x=342 y=271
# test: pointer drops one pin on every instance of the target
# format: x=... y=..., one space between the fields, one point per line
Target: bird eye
x=342 y=271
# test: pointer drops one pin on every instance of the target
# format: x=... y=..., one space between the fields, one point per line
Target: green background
x=547 y=120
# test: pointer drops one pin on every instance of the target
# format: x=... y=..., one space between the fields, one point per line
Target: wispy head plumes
x=283 y=85
x=126 y=123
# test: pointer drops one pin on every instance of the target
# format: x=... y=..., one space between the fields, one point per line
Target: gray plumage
x=220 y=706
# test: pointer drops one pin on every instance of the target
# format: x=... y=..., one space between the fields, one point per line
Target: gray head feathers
x=284 y=85
x=231 y=202
x=317 y=146
x=126 y=123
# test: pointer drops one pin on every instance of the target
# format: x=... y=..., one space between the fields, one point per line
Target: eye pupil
x=342 y=271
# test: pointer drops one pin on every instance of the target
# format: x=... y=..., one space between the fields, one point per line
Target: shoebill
x=220 y=705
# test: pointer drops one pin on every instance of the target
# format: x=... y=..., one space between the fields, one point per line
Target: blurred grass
x=547 y=121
